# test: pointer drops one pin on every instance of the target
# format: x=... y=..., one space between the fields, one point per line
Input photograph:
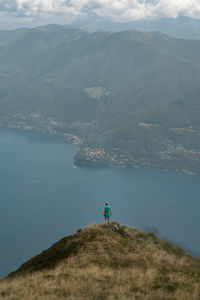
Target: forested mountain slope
x=123 y=94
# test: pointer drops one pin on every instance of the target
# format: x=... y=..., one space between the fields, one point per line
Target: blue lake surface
x=43 y=197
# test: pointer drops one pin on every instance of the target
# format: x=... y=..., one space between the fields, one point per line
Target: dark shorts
x=107 y=216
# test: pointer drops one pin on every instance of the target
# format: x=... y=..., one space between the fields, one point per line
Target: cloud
x=120 y=10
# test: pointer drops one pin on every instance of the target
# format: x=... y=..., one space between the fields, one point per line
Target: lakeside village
x=98 y=156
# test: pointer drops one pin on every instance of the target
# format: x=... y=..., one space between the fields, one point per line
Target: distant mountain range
x=128 y=98
x=182 y=27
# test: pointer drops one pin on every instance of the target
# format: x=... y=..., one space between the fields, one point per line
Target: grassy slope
x=104 y=263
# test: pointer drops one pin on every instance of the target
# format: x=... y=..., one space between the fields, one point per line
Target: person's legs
x=108 y=220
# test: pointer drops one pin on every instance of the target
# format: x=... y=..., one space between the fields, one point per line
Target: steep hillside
x=109 y=90
x=100 y=262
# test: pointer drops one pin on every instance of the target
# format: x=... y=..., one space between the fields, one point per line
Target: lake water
x=43 y=197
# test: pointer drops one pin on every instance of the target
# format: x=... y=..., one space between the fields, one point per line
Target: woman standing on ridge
x=107 y=212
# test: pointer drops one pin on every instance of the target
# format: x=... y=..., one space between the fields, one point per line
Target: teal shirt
x=107 y=210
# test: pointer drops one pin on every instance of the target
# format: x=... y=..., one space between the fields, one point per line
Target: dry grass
x=108 y=264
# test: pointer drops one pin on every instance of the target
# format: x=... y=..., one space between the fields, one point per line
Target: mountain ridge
x=181 y=27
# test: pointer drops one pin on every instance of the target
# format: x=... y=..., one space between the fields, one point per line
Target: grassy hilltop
x=99 y=262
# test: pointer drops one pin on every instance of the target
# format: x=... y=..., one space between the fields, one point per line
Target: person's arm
x=104 y=212
x=110 y=212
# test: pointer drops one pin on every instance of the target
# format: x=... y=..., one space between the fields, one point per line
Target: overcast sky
x=26 y=11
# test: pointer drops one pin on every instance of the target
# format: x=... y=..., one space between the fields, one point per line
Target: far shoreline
x=75 y=140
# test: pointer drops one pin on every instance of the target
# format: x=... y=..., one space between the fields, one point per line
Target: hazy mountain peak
x=181 y=27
